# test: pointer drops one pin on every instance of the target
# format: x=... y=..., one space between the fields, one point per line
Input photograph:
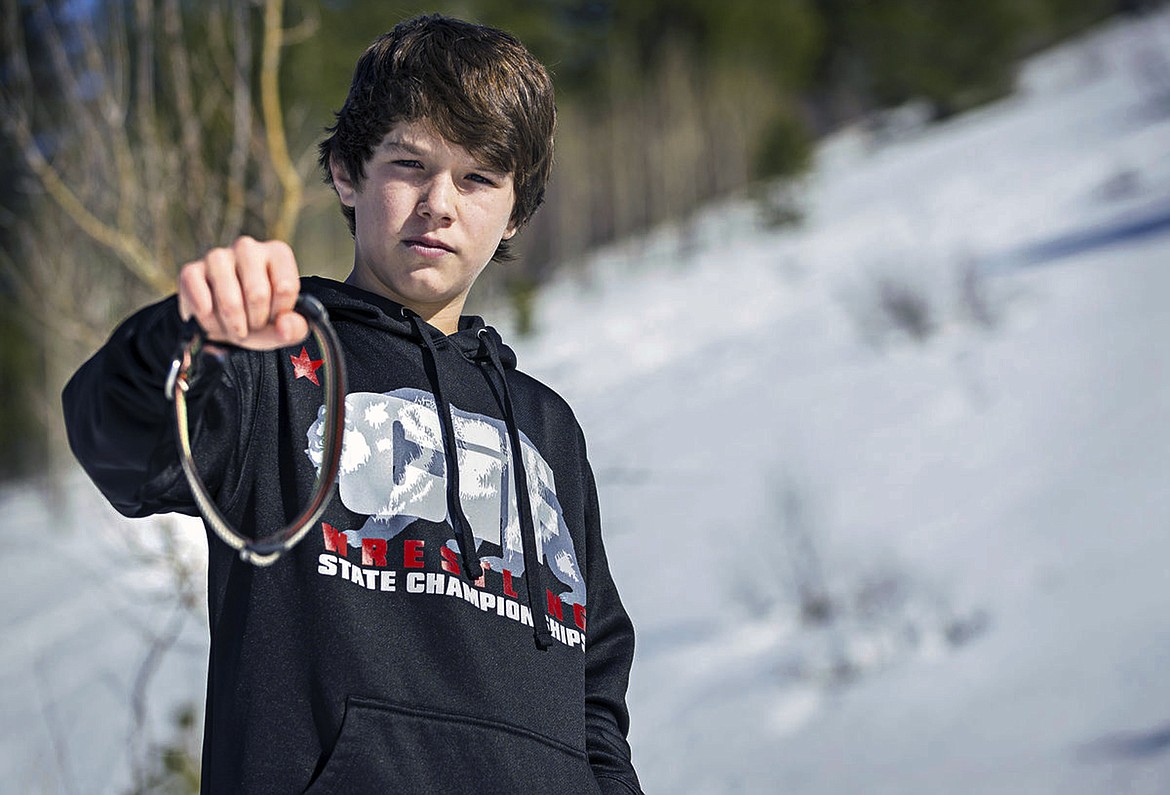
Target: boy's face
x=428 y=217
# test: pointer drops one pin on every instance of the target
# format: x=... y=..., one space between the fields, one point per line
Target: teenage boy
x=451 y=625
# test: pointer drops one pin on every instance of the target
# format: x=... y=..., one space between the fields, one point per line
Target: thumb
x=291 y=327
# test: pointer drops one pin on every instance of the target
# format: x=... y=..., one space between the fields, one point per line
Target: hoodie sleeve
x=608 y=657
x=120 y=423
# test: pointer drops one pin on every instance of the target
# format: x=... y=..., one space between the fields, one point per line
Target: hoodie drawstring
x=533 y=575
x=464 y=537
x=463 y=534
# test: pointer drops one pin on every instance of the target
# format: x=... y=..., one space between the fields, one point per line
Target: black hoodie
x=370 y=658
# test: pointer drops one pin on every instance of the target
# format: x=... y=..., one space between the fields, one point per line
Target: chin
x=425 y=295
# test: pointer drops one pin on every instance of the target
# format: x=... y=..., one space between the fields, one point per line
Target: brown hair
x=477 y=86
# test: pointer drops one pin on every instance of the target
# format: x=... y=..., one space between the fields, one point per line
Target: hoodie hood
x=344 y=302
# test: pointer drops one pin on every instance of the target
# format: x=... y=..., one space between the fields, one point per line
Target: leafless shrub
x=794 y=581
x=804 y=555
x=892 y=303
x=857 y=611
x=919 y=300
x=135 y=155
x=779 y=206
x=172 y=767
x=906 y=307
x=977 y=304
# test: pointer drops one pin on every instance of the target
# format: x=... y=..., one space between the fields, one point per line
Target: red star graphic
x=304 y=367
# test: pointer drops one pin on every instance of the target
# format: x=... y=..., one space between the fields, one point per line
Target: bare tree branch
x=64 y=319
x=113 y=106
x=129 y=249
x=159 y=183
x=191 y=135
x=303 y=30
x=233 y=219
x=282 y=164
x=56 y=734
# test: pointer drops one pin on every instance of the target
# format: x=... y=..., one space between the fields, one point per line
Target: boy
x=431 y=634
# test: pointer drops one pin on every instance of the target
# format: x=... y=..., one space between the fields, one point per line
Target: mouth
x=428 y=246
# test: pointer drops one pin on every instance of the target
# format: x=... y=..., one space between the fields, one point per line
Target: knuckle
x=189 y=276
x=229 y=303
x=285 y=287
x=193 y=267
x=244 y=251
x=209 y=323
x=218 y=260
x=257 y=309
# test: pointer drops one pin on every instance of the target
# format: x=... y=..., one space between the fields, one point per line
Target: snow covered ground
x=885 y=492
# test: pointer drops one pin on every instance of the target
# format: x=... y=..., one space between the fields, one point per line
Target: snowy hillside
x=950 y=446
x=885 y=493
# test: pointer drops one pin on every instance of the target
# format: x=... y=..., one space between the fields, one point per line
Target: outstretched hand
x=244 y=294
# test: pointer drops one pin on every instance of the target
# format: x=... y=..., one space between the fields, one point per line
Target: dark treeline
x=135 y=135
x=666 y=104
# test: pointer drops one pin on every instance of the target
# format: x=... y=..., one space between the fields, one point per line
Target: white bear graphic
x=393 y=470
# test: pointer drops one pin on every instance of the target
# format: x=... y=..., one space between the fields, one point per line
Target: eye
x=482 y=180
x=408 y=163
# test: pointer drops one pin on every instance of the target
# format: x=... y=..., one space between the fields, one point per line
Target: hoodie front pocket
x=390 y=748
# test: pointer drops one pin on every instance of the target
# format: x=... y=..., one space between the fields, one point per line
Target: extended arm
x=119 y=420
x=117 y=417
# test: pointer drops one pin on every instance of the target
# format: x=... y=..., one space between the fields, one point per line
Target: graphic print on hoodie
x=393 y=469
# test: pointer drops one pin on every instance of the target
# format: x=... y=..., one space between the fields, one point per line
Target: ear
x=346 y=191
x=513 y=225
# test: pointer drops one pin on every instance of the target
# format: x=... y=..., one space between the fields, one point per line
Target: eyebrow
x=396 y=143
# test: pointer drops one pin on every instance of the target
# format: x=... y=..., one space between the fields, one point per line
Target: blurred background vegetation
x=135 y=134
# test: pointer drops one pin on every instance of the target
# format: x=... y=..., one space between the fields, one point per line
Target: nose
x=438 y=199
